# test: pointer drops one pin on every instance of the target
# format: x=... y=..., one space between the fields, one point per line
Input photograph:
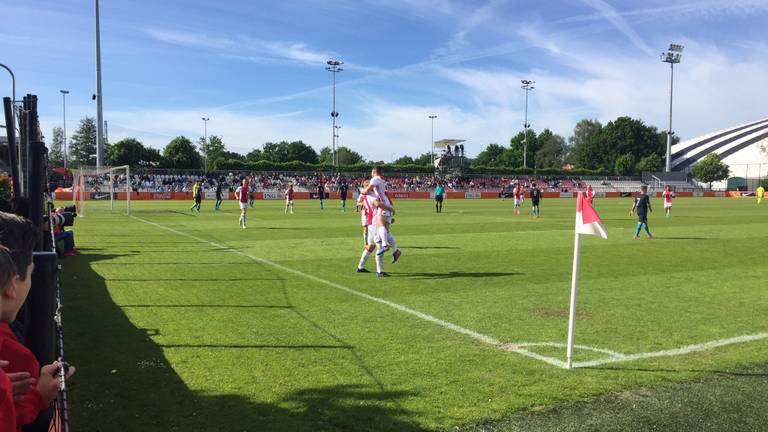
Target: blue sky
x=257 y=68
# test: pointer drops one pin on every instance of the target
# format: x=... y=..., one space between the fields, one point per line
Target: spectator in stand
x=19 y=235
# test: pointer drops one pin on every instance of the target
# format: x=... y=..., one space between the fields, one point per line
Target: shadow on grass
x=457 y=274
x=429 y=247
x=124 y=381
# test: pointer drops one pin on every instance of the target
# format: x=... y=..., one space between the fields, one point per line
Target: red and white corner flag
x=587 y=222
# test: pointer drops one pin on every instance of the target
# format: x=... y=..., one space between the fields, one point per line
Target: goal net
x=108 y=184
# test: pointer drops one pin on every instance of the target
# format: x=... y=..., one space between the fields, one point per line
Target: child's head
x=19 y=236
x=644 y=188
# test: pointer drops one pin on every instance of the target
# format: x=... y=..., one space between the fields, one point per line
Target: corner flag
x=587 y=222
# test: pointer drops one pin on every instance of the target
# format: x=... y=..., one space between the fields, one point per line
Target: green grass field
x=181 y=321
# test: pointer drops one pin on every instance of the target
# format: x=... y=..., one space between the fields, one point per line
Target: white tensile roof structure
x=737 y=146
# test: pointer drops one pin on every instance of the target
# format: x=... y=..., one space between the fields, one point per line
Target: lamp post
x=334 y=67
x=672 y=56
x=99 y=107
x=527 y=86
x=64 y=94
x=432 y=118
x=205 y=142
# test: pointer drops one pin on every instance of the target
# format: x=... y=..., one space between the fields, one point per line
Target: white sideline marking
x=473 y=334
x=675 y=352
x=520 y=348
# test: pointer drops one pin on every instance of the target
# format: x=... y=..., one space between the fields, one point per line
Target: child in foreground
x=19 y=235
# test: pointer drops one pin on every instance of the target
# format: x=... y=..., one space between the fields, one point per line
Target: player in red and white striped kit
x=519 y=193
x=667 y=195
x=289 y=198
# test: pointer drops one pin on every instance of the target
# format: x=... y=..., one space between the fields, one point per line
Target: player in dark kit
x=535 y=198
x=343 y=195
x=217 y=207
x=320 y=194
x=643 y=206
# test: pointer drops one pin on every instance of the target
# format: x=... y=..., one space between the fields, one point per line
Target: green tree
x=424 y=160
x=580 y=150
x=710 y=169
x=491 y=156
x=650 y=163
x=519 y=146
x=213 y=148
x=404 y=160
x=551 y=153
x=275 y=152
x=55 y=152
x=347 y=156
x=624 y=165
x=181 y=154
x=254 y=155
x=82 y=147
x=622 y=136
x=344 y=155
x=298 y=151
x=130 y=151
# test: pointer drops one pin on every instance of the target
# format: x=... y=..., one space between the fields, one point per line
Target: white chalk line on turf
x=520 y=348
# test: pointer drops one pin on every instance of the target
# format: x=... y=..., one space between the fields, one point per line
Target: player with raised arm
x=197 y=193
x=376 y=195
x=242 y=198
x=289 y=198
x=667 y=195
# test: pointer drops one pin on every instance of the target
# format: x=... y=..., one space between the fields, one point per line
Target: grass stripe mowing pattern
x=206 y=339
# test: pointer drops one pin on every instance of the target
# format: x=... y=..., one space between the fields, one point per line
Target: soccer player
x=667 y=195
x=217 y=207
x=519 y=193
x=242 y=198
x=439 y=191
x=376 y=194
x=760 y=193
x=590 y=196
x=320 y=193
x=535 y=198
x=369 y=232
x=343 y=195
x=289 y=198
x=642 y=205
x=251 y=188
x=197 y=192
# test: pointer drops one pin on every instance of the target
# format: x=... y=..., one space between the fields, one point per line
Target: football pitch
x=183 y=321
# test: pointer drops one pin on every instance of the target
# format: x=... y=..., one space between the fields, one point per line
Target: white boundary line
x=520 y=348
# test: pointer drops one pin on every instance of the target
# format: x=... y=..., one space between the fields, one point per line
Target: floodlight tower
x=433 y=117
x=672 y=56
x=64 y=94
x=334 y=67
x=98 y=97
x=205 y=142
x=527 y=86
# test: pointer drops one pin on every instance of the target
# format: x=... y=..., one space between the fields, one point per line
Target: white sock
x=383 y=234
x=391 y=241
x=379 y=263
x=364 y=258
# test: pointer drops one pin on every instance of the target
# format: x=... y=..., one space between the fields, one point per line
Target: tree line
x=624 y=146
x=182 y=153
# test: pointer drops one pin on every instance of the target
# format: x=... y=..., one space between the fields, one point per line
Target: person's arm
x=634 y=206
x=649 y=206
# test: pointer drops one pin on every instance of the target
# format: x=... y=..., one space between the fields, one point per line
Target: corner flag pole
x=574 y=293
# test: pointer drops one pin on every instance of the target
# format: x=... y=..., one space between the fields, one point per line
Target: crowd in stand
x=263 y=182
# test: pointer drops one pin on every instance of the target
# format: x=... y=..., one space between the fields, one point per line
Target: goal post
x=91 y=184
